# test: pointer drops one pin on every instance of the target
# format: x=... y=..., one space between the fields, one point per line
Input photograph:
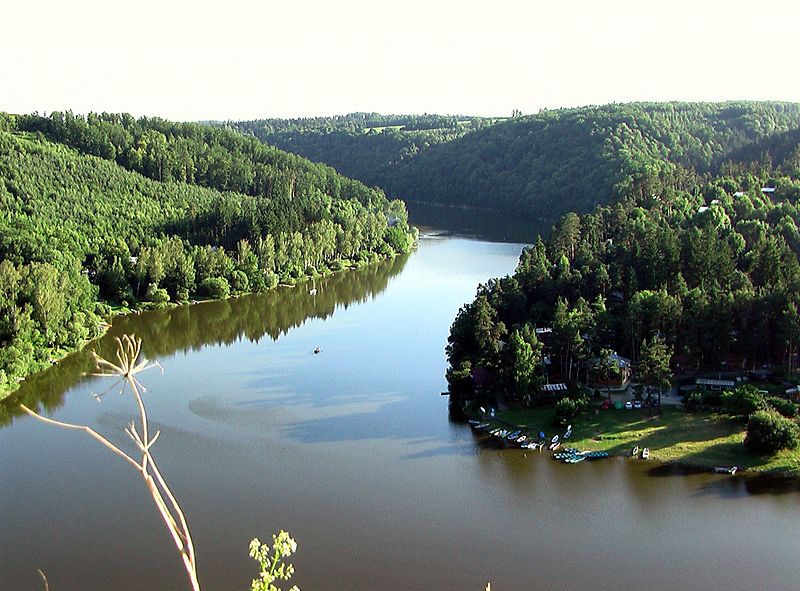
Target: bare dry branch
x=44 y=579
x=128 y=352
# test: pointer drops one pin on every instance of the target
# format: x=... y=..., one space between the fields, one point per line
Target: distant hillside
x=113 y=210
x=556 y=161
x=366 y=146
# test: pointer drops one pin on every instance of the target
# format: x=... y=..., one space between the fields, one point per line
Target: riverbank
x=106 y=313
x=675 y=436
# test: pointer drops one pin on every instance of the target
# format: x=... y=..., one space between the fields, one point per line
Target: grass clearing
x=700 y=439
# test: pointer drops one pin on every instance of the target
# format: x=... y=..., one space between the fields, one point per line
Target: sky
x=232 y=59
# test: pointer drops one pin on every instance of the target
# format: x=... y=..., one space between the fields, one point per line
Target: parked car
x=629 y=405
x=637 y=404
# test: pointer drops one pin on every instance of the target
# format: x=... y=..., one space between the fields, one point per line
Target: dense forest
x=709 y=277
x=368 y=146
x=110 y=210
x=556 y=161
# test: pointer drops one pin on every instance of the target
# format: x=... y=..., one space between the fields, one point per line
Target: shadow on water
x=726 y=486
x=192 y=327
x=482 y=224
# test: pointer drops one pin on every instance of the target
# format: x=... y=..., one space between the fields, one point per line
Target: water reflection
x=165 y=332
x=476 y=223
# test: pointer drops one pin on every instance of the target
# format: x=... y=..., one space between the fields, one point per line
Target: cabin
x=715 y=384
x=617 y=378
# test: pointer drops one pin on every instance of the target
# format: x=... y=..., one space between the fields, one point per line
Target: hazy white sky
x=234 y=59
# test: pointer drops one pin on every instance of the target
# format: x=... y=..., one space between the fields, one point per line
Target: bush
x=786 y=407
x=270 y=280
x=156 y=294
x=239 y=281
x=460 y=380
x=744 y=401
x=768 y=432
x=568 y=408
x=693 y=400
x=216 y=287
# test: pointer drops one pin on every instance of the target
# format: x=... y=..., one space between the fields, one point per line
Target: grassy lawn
x=692 y=438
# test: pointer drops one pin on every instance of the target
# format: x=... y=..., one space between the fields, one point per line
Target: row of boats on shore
x=525 y=439
x=513 y=436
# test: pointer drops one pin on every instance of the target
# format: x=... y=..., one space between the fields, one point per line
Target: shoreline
x=690 y=441
x=55 y=356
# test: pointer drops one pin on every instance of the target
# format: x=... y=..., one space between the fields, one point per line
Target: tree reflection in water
x=192 y=327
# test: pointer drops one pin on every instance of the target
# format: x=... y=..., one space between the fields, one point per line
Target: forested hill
x=556 y=161
x=707 y=277
x=108 y=210
x=366 y=146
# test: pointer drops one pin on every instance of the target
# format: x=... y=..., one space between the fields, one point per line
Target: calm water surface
x=352 y=451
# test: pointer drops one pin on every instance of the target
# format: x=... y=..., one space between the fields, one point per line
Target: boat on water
x=555 y=445
x=724 y=470
x=646 y=453
x=635 y=451
x=554 y=439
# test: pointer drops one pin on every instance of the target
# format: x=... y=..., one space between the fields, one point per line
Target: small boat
x=635 y=451
x=723 y=470
x=646 y=453
x=515 y=434
x=554 y=439
x=313 y=291
x=555 y=445
x=568 y=434
x=542 y=435
x=474 y=422
x=317 y=351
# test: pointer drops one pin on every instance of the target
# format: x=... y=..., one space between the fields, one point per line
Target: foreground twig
x=44 y=579
x=128 y=351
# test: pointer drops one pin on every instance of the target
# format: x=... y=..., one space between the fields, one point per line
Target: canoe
x=645 y=453
x=554 y=439
x=635 y=450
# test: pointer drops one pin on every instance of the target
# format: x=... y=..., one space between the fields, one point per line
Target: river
x=352 y=450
